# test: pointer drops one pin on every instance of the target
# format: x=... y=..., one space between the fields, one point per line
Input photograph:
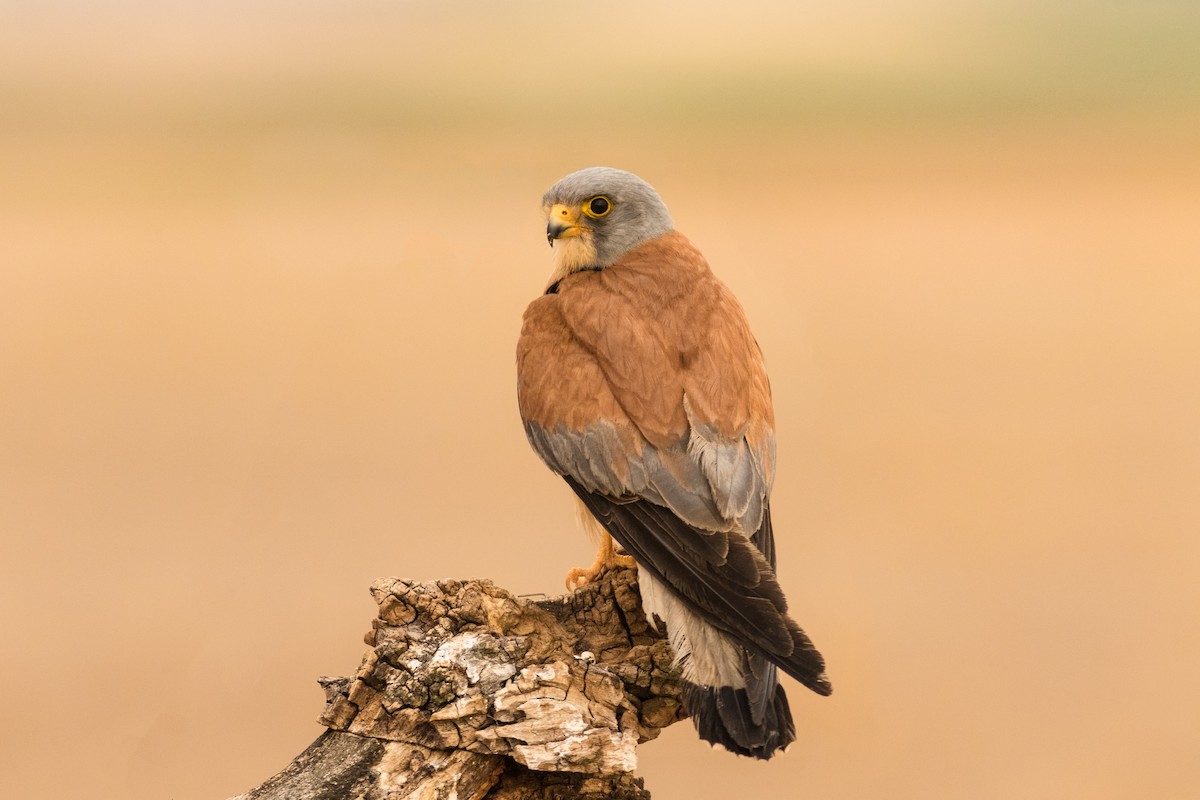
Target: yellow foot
x=581 y=576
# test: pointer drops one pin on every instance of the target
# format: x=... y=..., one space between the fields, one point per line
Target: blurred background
x=262 y=269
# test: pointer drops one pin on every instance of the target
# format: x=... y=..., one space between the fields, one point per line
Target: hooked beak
x=563 y=223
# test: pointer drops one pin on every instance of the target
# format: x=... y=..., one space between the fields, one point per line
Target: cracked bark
x=472 y=693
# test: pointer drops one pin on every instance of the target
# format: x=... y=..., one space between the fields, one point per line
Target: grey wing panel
x=595 y=457
x=733 y=473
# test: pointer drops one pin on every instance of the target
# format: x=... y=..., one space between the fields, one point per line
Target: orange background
x=262 y=268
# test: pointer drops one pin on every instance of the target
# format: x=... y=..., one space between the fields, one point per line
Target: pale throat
x=572 y=255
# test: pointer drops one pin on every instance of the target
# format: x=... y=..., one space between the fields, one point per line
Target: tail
x=752 y=721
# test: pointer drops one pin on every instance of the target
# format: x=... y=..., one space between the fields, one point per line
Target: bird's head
x=596 y=215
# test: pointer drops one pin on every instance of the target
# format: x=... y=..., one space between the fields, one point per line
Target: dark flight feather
x=752 y=613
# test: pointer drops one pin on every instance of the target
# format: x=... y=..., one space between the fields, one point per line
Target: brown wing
x=643 y=379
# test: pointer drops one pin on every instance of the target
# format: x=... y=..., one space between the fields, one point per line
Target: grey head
x=596 y=215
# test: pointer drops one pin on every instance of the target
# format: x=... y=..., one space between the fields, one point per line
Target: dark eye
x=597 y=206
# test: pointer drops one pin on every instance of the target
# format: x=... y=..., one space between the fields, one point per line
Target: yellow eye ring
x=597 y=207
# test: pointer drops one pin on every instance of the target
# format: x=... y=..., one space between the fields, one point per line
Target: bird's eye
x=597 y=206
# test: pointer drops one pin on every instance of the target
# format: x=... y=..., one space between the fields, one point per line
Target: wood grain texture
x=470 y=692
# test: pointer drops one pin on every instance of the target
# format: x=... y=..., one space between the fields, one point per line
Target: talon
x=607 y=558
x=579 y=577
x=582 y=576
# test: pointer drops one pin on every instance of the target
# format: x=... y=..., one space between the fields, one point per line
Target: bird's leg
x=607 y=558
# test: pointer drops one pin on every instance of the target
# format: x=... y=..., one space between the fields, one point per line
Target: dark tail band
x=723 y=715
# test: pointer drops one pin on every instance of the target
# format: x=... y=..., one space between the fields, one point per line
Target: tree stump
x=469 y=692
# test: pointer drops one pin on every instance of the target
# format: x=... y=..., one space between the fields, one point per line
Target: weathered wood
x=470 y=692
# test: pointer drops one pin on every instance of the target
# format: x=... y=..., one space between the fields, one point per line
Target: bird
x=640 y=383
